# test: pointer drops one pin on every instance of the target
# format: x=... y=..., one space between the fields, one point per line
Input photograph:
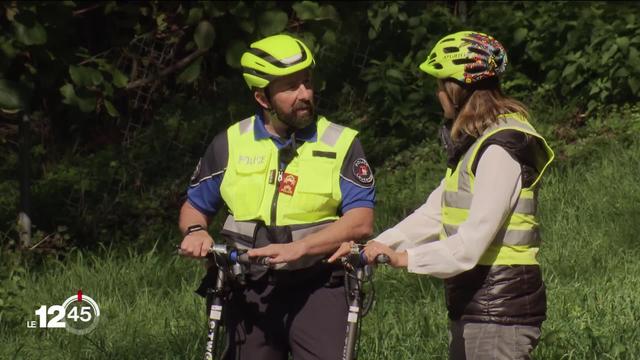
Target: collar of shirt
x=308 y=134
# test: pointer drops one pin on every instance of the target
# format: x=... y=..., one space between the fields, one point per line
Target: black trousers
x=302 y=313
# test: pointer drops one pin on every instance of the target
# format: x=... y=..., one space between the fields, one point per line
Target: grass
x=589 y=211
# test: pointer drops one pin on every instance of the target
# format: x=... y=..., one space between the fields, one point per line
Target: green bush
x=587 y=50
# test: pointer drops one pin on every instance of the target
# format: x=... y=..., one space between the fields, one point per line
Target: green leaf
x=272 y=22
x=212 y=10
x=68 y=94
x=520 y=35
x=552 y=75
x=234 y=53
x=240 y=10
x=306 y=10
x=329 y=37
x=623 y=43
x=119 y=79
x=247 y=25
x=393 y=9
x=161 y=22
x=395 y=73
x=85 y=76
x=30 y=35
x=204 y=35
x=591 y=106
x=373 y=86
x=607 y=55
x=372 y=33
x=110 y=7
x=85 y=103
x=12 y=95
x=634 y=58
x=191 y=73
x=634 y=84
x=111 y=109
x=195 y=15
x=569 y=70
x=107 y=89
x=328 y=12
x=6 y=46
x=621 y=72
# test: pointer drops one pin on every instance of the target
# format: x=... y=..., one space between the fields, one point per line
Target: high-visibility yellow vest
x=518 y=242
x=255 y=188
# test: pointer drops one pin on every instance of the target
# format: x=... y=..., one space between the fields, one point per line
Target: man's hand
x=196 y=244
x=280 y=253
x=343 y=250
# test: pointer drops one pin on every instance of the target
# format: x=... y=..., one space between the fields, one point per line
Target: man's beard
x=293 y=119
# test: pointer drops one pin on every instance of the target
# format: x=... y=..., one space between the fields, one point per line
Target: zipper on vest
x=274 y=202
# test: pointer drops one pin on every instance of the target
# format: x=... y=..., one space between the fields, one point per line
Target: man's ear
x=261 y=98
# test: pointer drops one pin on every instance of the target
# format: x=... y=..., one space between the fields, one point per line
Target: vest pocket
x=246 y=189
x=314 y=194
x=316 y=177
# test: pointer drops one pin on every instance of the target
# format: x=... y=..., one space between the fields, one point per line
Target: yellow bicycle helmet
x=467 y=57
x=273 y=57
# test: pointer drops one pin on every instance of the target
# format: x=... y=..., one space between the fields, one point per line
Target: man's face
x=292 y=99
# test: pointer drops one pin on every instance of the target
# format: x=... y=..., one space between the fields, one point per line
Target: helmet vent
x=478 y=51
x=475 y=69
x=437 y=66
x=447 y=40
x=450 y=49
x=462 y=61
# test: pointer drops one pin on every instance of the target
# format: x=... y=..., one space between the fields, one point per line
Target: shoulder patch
x=362 y=171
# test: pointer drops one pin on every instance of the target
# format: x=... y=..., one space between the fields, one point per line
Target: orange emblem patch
x=288 y=184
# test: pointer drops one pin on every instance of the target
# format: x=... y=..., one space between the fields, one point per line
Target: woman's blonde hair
x=478 y=106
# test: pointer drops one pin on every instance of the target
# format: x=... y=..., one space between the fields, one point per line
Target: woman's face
x=447 y=105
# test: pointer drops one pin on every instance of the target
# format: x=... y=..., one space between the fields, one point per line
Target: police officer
x=296 y=186
x=479 y=230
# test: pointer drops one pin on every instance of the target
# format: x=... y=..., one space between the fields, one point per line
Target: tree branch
x=168 y=70
x=85 y=10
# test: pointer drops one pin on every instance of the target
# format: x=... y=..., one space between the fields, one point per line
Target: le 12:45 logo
x=78 y=314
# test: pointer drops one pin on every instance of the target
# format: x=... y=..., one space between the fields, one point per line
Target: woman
x=478 y=230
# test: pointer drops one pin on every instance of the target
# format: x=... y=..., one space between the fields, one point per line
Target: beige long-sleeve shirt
x=497 y=187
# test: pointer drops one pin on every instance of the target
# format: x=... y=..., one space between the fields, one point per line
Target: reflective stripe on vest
x=247 y=230
x=518 y=241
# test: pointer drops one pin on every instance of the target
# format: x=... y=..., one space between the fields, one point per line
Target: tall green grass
x=589 y=213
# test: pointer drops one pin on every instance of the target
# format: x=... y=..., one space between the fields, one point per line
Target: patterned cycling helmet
x=466 y=56
x=272 y=57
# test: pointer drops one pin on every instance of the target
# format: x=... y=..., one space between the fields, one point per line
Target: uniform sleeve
x=357 y=183
x=204 y=188
x=421 y=227
x=497 y=188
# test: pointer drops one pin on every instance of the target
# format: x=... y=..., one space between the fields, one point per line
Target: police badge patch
x=362 y=171
x=288 y=184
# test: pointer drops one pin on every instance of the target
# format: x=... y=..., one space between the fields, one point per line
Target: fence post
x=24 y=216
